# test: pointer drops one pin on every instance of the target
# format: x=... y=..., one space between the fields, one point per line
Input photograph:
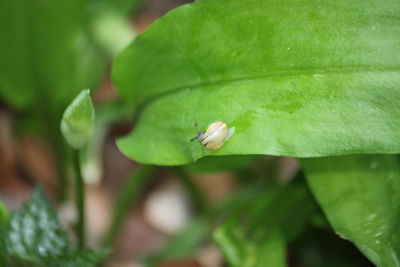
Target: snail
x=215 y=135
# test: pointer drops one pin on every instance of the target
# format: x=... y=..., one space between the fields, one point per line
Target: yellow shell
x=214 y=137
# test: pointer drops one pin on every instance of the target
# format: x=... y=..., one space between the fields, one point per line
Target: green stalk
x=195 y=194
x=80 y=199
x=3 y=221
x=127 y=197
x=61 y=156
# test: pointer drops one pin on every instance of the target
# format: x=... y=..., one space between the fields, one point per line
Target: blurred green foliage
x=256 y=232
x=50 y=51
x=183 y=244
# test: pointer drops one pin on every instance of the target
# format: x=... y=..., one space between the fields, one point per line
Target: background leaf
x=37 y=56
x=122 y=6
x=241 y=252
x=291 y=78
x=42 y=69
x=221 y=163
x=361 y=198
x=182 y=245
x=321 y=247
x=83 y=258
x=259 y=227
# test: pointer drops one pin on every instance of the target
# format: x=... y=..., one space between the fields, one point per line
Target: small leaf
x=34 y=232
x=77 y=124
x=361 y=198
x=33 y=237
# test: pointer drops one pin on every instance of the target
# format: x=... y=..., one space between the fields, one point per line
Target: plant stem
x=61 y=157
x=196 y=195
x=129 y=193
x=80 y=199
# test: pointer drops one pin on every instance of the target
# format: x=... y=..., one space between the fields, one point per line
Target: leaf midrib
x=281 y=73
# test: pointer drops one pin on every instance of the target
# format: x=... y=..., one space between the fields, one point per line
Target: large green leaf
x=361 y=198
x=299 y=78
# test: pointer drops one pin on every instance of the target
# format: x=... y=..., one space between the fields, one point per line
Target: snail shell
x=215 y=135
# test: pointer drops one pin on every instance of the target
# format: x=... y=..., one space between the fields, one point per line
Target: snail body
x=214 y=137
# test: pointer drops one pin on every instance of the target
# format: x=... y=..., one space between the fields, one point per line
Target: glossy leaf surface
x=298 y=78
x=361 y=197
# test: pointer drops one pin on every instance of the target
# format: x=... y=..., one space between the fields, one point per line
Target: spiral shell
x=215 y=135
